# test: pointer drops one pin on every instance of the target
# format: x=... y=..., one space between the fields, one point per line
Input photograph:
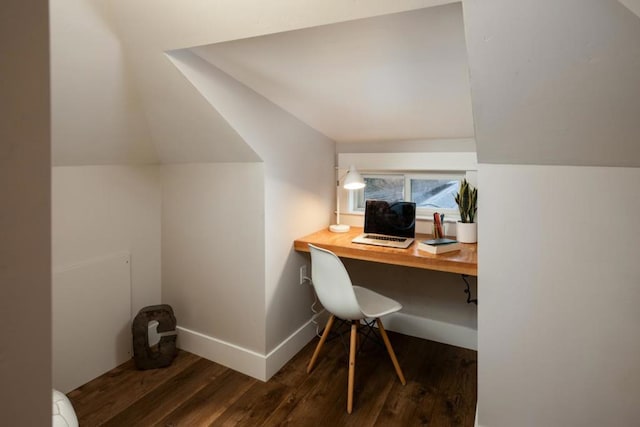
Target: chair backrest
x=333 y=285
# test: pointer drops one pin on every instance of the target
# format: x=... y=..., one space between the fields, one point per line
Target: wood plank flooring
x=441 y=390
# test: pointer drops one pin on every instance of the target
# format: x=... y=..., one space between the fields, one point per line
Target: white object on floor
x=63 y=413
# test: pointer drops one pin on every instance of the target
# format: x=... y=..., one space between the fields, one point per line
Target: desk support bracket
x=468 y=291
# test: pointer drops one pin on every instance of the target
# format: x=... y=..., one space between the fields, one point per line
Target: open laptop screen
x=392 y=219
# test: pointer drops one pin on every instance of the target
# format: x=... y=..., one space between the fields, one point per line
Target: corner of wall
x=248 y=362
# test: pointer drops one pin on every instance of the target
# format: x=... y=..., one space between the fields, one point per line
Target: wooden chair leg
x=323 y=338
x=352 y=365
x=387 y=343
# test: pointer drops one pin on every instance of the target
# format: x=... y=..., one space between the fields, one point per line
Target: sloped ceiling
x=555 y=84
x=632 y=5
x=183 y=125
x=551 y=85
x=396 y=77
x=96 y=115
x=380 y=71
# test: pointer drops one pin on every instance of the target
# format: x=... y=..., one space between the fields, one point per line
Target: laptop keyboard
x=387 y=238
x=397 y=242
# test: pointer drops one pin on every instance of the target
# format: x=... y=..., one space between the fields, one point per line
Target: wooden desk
x=463 y=261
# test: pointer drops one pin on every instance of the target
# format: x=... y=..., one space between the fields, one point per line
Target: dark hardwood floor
x=440 y=391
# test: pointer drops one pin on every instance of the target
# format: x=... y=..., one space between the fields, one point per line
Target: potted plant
x=467 y=198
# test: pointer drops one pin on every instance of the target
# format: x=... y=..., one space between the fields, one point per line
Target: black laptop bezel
x=392 y=219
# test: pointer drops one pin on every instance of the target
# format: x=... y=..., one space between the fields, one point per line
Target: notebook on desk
x=388 y=224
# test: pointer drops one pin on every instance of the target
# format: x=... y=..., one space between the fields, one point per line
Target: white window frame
x=421 y=213
x=434 y=163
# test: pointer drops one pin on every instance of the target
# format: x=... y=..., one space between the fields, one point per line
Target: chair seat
x=341 y=299
x=372 y=304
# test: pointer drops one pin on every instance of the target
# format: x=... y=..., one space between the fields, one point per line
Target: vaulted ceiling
x=395 y=77
x=552 y=85
x=558 y=84
x=355 y=72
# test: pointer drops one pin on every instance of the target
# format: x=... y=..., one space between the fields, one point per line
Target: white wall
x=449 y=145
x=25 y=251
x=434 y=305
x=91 y=319
x=102 y=210
x=96 y=114
x=98 y=211
x=213 y=249
x=555 y=82
x=632 y=5
x=298 y=177
x=98 y=214
x=559 y=290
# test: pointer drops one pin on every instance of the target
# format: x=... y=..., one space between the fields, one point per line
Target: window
x=389 y=188
x=431 y=192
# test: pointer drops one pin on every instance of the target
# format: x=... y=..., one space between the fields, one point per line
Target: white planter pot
x=467 y=232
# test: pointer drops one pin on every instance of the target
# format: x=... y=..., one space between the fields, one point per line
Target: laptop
x=388 y=224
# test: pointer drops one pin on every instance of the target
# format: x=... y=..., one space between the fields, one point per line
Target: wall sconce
x=352 y=181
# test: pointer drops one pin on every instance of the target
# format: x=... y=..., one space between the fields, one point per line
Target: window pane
x=434 y=193
x=389 y=188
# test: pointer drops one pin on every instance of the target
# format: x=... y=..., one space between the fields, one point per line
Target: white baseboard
x=233 y=356
x=475 y=420
x=280 y=355
x=433 y=330
x=247 y=361
x=263 y=367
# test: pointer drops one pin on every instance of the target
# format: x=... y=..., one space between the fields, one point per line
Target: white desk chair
x=345 y=301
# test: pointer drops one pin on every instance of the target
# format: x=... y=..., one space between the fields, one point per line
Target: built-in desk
x=462 y=262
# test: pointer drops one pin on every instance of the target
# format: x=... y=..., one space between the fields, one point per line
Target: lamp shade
x=353 y=180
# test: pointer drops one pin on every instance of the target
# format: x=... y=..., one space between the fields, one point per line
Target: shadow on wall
x=424 y=293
